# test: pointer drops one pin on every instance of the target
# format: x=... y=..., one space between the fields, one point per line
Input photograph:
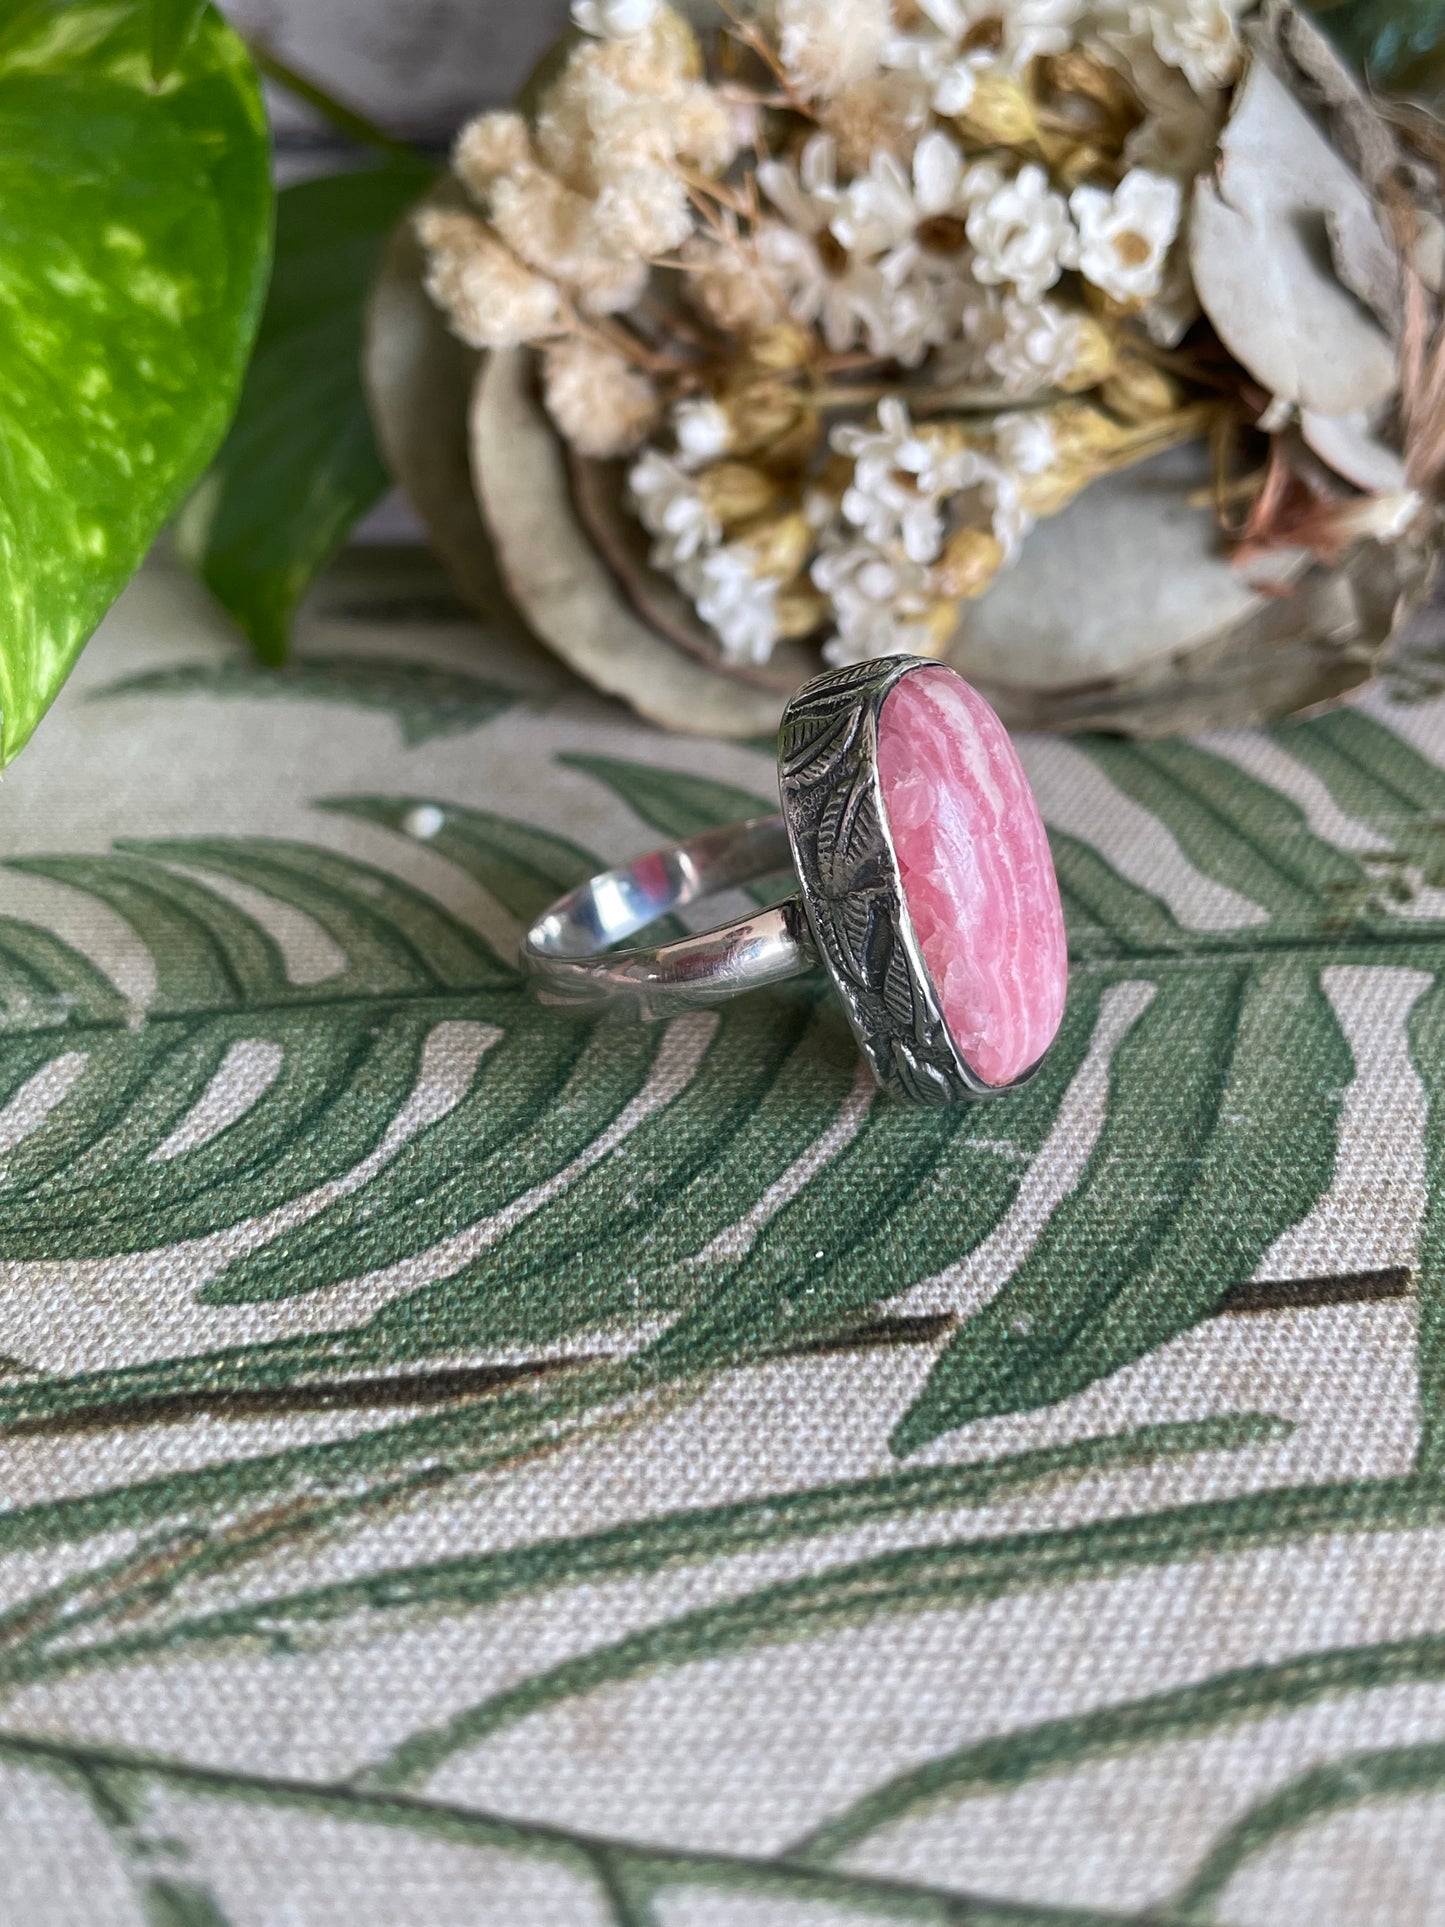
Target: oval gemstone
x=978 y=879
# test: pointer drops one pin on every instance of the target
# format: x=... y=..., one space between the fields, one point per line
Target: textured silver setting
x=851 y=889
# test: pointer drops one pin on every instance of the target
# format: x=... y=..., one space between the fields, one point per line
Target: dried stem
x=747 y=33
x=618 y=340
x=703 y=190
x=921 y=401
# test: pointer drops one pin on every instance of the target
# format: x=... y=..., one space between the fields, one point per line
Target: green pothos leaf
x=300 y=465
x=172 y=23
x=134 y=243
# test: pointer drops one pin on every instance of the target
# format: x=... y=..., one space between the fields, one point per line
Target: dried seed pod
x=971 y=558
x=780 y=543
x=1001 y=113
x=1138 y=391
x=800 y=610
x=735 y=491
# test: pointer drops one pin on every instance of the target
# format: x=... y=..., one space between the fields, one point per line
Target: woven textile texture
x=464 y=1468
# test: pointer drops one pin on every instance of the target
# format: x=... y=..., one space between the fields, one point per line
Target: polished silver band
x=570 y=956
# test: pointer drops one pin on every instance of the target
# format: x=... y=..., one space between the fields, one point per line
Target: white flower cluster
x=978 y=199
x=906 y=260
x=880 y=563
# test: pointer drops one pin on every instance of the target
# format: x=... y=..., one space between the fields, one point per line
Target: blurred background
x=417 y=66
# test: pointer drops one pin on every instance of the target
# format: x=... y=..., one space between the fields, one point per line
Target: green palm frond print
x=426 y=700
x=598 y=1177
x=546 y=1394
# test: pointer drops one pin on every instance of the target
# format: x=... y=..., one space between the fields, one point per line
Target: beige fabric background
x=602 y=1413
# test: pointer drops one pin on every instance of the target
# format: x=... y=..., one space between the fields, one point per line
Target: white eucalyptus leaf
x=1128 y=574
x=1260 y=247
x=1350 y=446
x=1294 y=656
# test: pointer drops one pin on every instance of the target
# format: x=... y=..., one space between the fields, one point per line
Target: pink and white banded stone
x=978 y=880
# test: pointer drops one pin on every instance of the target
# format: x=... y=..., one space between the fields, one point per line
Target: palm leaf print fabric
x=462 y=1467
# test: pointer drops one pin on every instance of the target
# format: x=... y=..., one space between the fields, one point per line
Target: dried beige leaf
x=561 y=582
x=1295 y=656
x=599 y=494
x=1307 y=62
x=418 y=379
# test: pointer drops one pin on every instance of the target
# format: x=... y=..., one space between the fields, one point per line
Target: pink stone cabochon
x=978 y=879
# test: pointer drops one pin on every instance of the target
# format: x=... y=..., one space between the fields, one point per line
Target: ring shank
x=570 y=953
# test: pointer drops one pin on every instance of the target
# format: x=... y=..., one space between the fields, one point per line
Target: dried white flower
x=547 y=223
x=616 y=287
x=877 y=213
x=820 y=284
x=1125 y=237
x=876 y=597
x=1199 y=37
x=708 y=131
x=634 y=102
x=490 y=145
x=614 y=19
x=702 y=430
x=904 y=323
x=1019 y=229
x=728 y=283
x=643 y=213
x=735 y=601
x=883 y=114
x=818 y=280
x=1002 y=496
x=828 y=44
x=807 y=196
x=1015 y=31
x=601 y=405
x=1022 y=345
x=900 y=478
x=628 y=130
x=931 y=60
x=492 y=299
x=978 y=37
x=1025 y=442
x=672 y=509
x=554 y=228
x=908 y=224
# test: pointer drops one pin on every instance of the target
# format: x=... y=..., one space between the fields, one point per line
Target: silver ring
x=846 y=912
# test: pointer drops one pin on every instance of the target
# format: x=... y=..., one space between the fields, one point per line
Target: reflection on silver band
x=569 y=952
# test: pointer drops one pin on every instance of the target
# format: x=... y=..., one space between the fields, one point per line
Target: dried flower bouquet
x=1087 y=343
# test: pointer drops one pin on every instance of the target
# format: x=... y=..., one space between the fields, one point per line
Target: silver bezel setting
x=852 y=891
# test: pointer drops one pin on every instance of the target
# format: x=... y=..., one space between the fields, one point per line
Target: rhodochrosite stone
x=978 y=880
